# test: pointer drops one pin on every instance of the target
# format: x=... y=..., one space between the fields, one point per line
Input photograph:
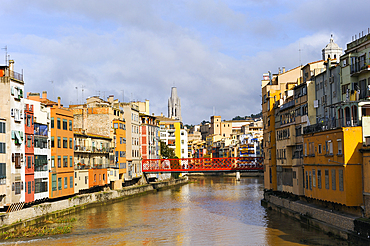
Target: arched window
x=347 y=112
x=354 y=115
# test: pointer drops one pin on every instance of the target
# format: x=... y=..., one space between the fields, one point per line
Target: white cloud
x=143 y=48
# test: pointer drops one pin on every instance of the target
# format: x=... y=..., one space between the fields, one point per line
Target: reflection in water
x=211 y=211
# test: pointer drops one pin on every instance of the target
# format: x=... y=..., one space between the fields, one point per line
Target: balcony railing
x=329 y=125
x=287 y=105
x=93 y=149
x=15 y=75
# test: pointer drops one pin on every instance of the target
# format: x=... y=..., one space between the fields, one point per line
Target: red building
x=29 y=154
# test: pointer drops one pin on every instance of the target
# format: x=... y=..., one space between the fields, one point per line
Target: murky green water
x=211 y=211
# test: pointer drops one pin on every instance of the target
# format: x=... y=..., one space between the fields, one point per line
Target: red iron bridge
x=232 y=164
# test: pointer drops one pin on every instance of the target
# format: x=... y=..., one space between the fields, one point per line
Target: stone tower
x=332 y=50
x=174 y=105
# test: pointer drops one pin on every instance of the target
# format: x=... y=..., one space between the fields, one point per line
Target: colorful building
x=12 y=145
x=61 y=172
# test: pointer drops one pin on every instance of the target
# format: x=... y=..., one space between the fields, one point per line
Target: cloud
x=214 y=52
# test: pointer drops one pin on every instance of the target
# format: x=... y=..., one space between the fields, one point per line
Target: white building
x=12 y=148
x=42 y=150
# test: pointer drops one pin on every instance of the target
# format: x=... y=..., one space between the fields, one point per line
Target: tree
x=167 y=152
x=238 y=118
x=204 y=122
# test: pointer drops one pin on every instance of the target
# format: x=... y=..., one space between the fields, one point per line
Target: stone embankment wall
x=38 y=213
x=331 y=222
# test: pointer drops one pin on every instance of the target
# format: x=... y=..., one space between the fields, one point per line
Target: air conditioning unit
x=367 y=141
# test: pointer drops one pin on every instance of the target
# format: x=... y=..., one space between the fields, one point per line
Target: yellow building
x=333 y=165
x=172 y=133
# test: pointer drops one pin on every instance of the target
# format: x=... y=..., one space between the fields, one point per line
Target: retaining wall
x=345 y=226
x=30 y=215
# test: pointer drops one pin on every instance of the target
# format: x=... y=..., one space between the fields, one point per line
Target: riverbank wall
x=341 y=225
x=38 y=214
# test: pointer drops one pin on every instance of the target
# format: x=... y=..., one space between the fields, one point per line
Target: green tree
x=167 y=152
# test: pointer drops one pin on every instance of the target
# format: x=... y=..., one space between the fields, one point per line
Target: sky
x=214 y=52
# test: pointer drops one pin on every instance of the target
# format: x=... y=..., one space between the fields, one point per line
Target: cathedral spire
x=174 y=105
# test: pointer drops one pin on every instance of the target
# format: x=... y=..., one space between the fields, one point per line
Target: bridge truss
x=203 y=164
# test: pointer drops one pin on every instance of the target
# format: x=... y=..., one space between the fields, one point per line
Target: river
x=207 y=211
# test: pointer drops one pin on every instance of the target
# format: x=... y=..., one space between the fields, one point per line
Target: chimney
x=111 y=98
x=11 y=65
x=58 y=102
x=283 y=69
x=44 y=95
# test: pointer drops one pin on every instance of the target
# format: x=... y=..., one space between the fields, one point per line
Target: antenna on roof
x=82 y=93
x=6 y=54
x=77 y=94
x=300 y=53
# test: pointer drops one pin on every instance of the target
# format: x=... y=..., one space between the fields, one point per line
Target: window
x=52 y=142
x=70 y=125
x=29 y=187
x=305 y=149
x=59 y=183
x=41 y=186
x=314 y=178
x=340 y=174
x=86 y=179
x=103 y=176
x=94 y=177
x=65 y=161
x=311 y=149
x=18 y=187
x=310 y=179
x=70 y=143
x=59 y=142
x=65 y=182
x=319 y=149
x=339 y=146
x=17 y=158
x=319 y=179
x=54 y=182
x=2 y=148
x=52 y=161
x=2 y=173
x=333 y=179
x=52 y=122
x=58 y=123
x=306 y=179
x=326 y=179
x=65 y=143
x=65 y=124
x=59 y=161
x=70 y=161
x=71 y=182
x=29 y=161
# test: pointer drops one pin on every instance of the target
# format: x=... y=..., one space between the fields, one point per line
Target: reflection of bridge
x=232 y=164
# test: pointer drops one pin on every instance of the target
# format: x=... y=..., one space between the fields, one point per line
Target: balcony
x=329 y=125
x=16 y=75
x=287 y=105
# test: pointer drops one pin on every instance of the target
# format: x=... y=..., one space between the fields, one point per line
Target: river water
x=208 y=211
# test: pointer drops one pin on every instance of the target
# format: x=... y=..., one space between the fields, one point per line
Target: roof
x=332 y=46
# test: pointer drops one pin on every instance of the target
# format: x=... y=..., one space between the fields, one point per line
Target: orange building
x=61 y=172
x=97 y=177
x=119 y=127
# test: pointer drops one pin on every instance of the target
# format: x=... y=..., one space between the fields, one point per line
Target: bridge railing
x=202 y=164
